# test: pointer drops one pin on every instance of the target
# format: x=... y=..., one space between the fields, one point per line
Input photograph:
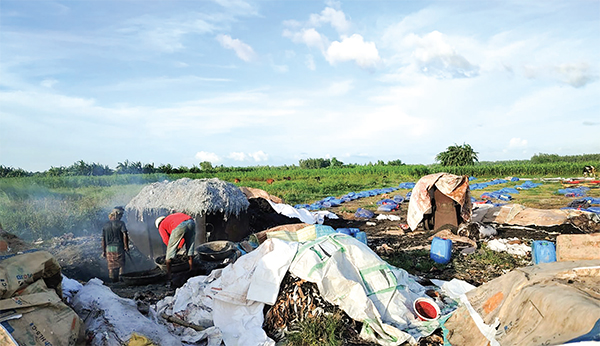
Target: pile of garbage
x=299 y=300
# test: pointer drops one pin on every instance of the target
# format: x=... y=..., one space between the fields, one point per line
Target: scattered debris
x=512 y=246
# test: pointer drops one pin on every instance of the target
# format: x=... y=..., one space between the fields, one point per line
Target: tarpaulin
x=454 y=186
x=350 y=275
x=546 y=304
x=234 y=297
x=516 y=214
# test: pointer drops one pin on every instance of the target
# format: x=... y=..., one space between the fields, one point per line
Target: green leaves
x=458 y=155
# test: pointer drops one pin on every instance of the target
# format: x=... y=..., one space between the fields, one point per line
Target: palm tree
x=457 y=155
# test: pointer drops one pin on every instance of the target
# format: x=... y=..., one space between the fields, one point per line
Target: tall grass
x=31 y=210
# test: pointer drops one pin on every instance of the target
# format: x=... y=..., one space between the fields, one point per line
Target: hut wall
x=235 y=229
x=146 y=238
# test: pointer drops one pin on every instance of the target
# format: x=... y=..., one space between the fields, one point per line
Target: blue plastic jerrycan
x=543 y=251
x=441 y=250
x=361 y=236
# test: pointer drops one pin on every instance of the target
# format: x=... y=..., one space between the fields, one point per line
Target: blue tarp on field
x=527 y=185
x=574 y=191
x=478 y=186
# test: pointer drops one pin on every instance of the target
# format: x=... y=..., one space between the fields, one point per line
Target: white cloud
x=241 y=49
x=239 y=6
x=206 y=156
x=256 y=156
x=517 y=143
x=237 y=156
x=365 y=54
x=277 y=67
x=280 y=68
x=310 y=62
x=336 y=18
x=48 y=83
x=310 y=37
x=576 y=75
x=259 y=156
x=436 y=57
x=163 y=34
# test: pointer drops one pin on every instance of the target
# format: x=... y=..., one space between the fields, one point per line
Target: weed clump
x=326 y=329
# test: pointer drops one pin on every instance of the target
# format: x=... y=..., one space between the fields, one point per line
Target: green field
x=46 y=206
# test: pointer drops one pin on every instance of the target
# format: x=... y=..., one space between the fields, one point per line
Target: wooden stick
x=181 y=322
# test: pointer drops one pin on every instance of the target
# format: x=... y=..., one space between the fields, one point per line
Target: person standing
x=172 y=229
x=115 y=241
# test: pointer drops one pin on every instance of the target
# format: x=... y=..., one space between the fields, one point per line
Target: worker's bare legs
x=168 y=264
x=114 y=275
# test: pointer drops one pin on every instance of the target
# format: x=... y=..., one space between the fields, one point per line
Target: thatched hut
x=218 y=207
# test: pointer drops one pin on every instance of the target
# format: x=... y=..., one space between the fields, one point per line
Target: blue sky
x=245 y=83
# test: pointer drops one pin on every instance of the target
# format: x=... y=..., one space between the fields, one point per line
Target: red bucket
x=426 y=309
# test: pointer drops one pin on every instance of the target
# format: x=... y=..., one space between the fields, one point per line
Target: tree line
x=453 y=156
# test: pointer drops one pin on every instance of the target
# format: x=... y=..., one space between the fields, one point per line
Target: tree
x=206 y=166
x=458 y=155
x=314 y=163
x=395 y=163
x=336 y=163
x=166 y=169
x=149 y=168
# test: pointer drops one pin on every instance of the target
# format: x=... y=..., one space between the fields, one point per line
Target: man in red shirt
x=172 y=230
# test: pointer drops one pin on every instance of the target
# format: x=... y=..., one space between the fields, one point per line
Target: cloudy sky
x=245 y=83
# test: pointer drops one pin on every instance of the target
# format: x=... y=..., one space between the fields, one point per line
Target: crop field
x=43 y=207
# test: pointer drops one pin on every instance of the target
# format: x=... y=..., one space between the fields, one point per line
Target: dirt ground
x=80 y=258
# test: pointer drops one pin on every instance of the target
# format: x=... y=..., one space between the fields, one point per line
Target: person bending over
x=172 y=229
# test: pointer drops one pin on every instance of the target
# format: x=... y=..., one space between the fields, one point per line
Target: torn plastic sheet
x=302 y=214
x=191 y=305
x=505 y=245
x=234 y=297
x=388 y=217
x=70 y=288
x=350 y=275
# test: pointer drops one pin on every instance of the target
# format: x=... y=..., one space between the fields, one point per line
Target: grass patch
x=318 y=331
x=414 y=261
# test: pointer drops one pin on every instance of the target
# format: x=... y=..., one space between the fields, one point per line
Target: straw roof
x=191 y=196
